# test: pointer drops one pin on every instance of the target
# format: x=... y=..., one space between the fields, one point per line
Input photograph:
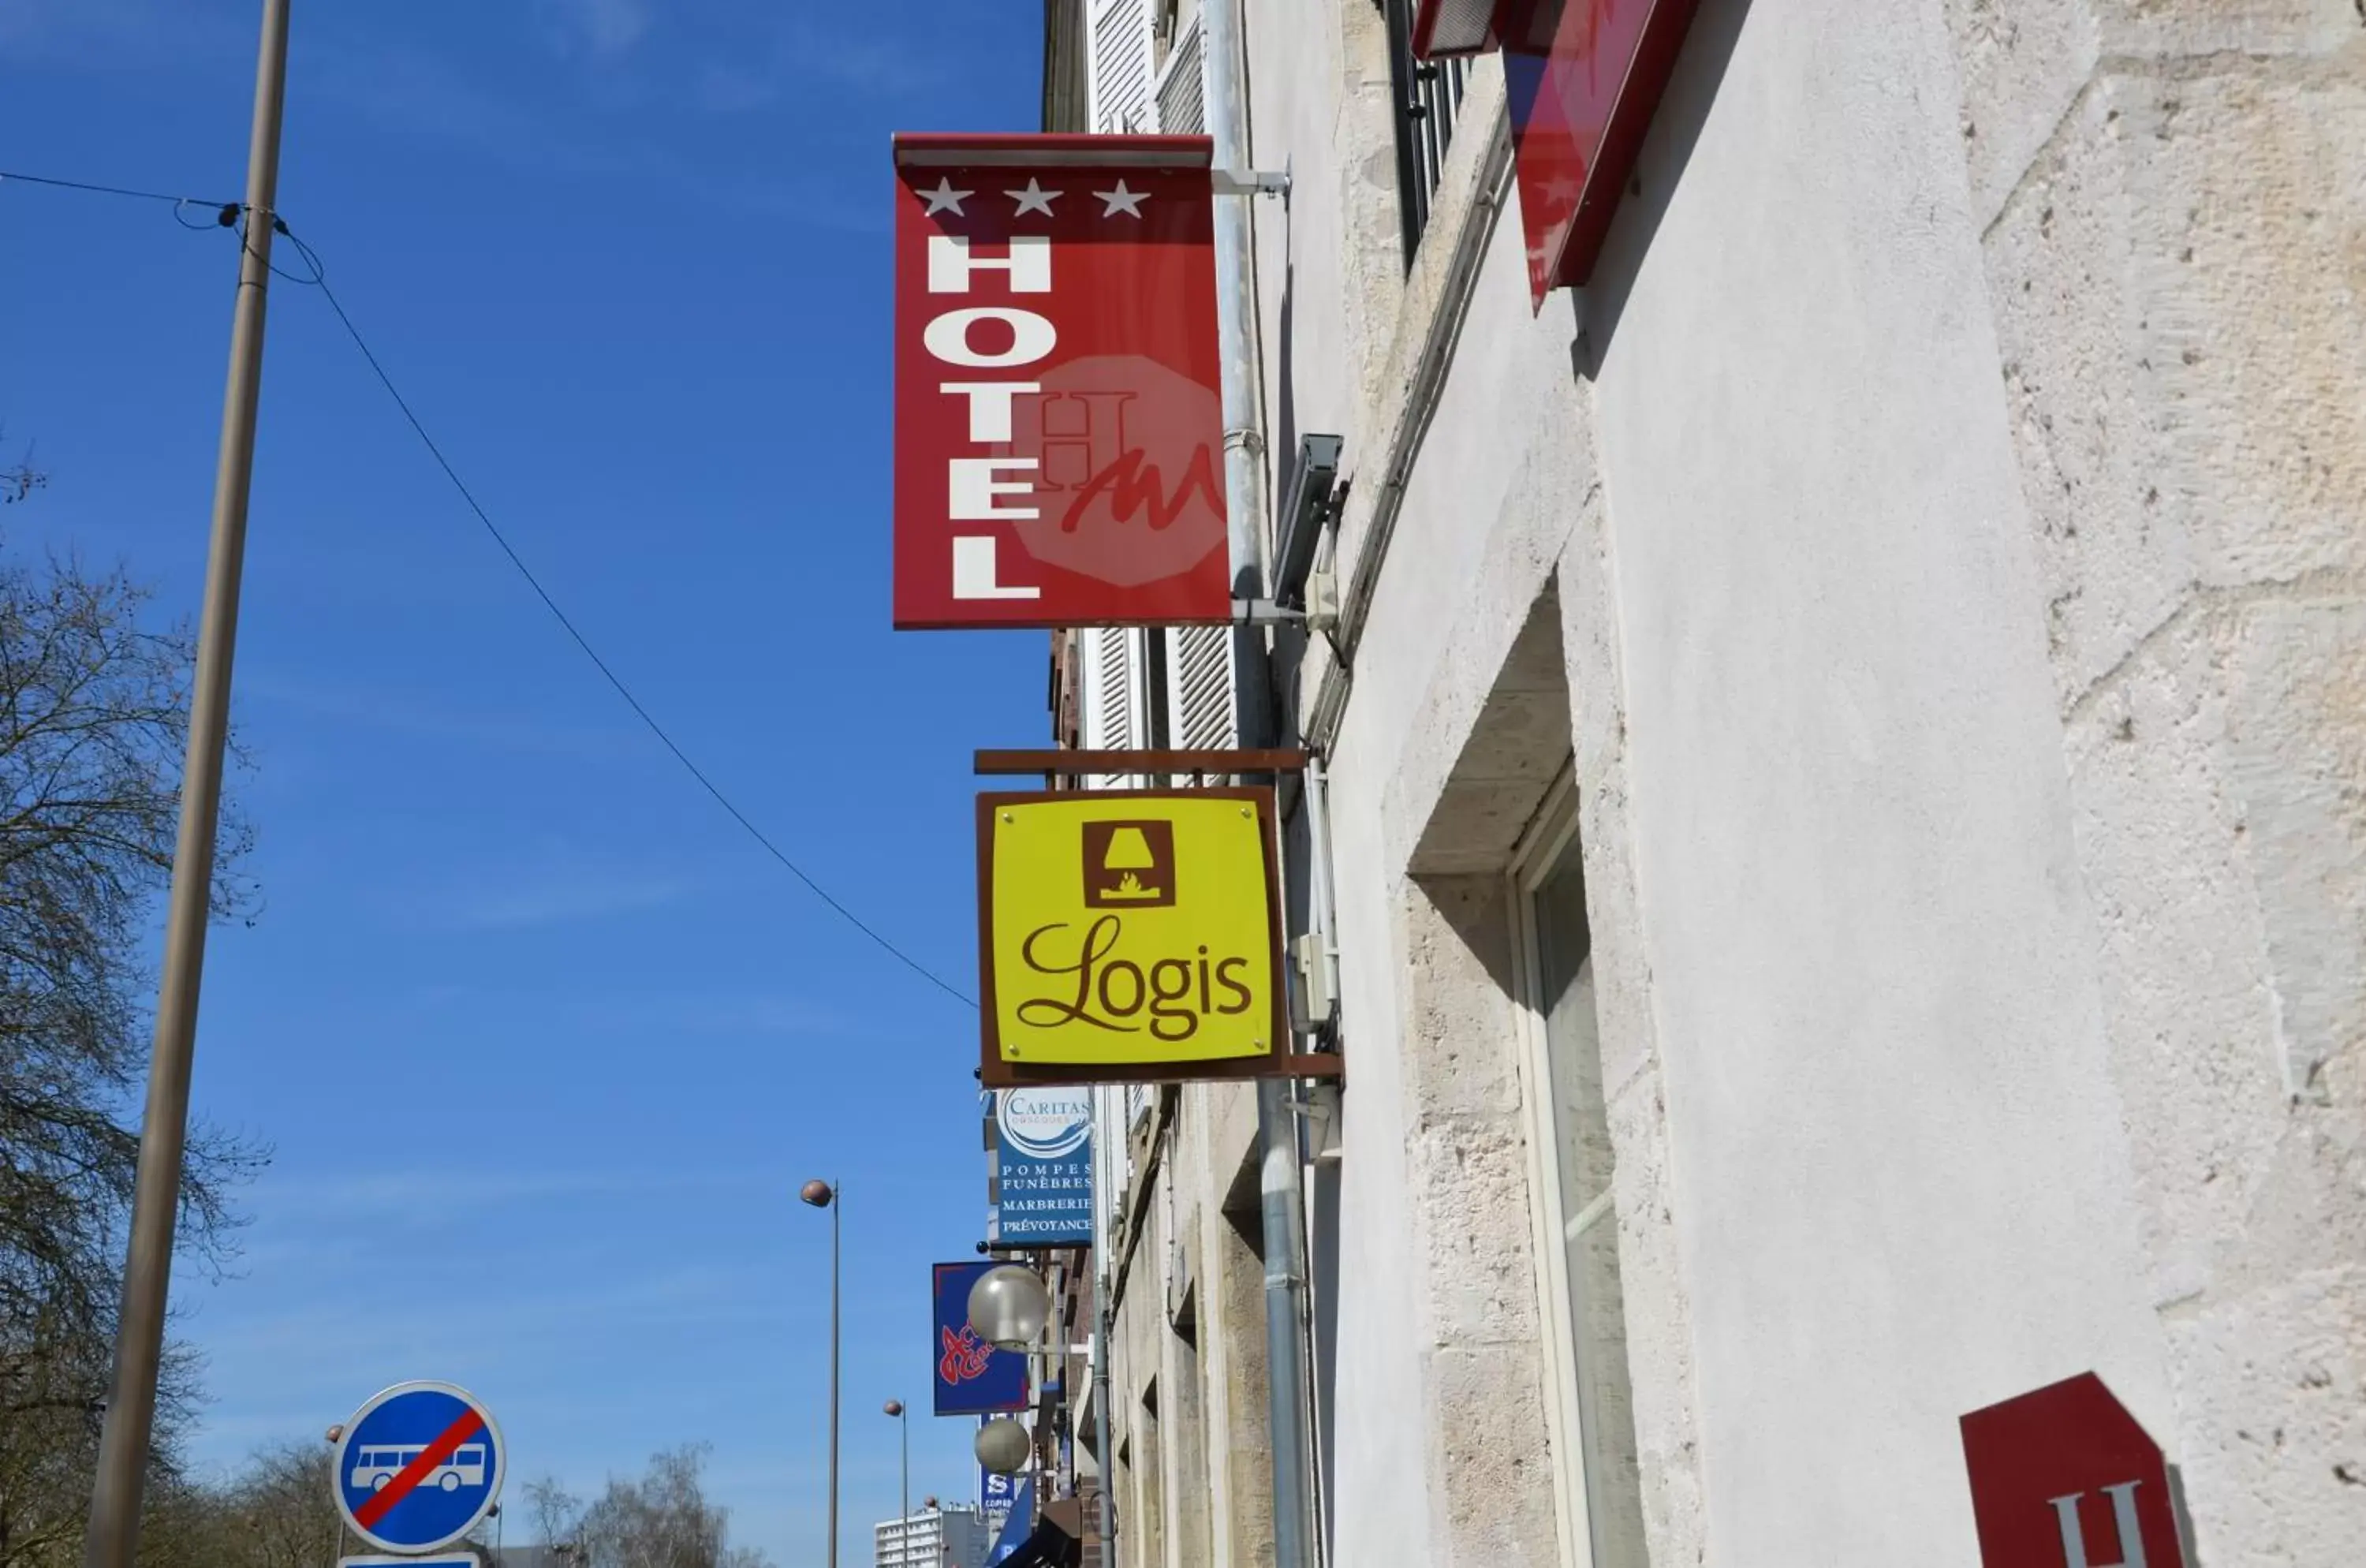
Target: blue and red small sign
x=973 y=1377
x=418 y=1467
x=1017 y=1525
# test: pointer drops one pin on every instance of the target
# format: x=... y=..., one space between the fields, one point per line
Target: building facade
x=1843 y=758
x=934 y=1538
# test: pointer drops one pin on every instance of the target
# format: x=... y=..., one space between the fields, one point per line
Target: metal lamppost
x=1010 y=1308
x=894 y=1408
x=823 y=1195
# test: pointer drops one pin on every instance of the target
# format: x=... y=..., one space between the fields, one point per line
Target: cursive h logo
x=2123 y=1515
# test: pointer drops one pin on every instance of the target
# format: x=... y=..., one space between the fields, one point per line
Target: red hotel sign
x=1059 y=431
x=2065 y=1478
x=1585 y=78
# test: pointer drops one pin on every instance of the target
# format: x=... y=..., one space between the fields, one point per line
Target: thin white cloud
x=115 y=33
x=708 y=1014
x=517 y=1322
x=355 y=1206
x=605 y=30
x=390 y=709
x=561 y=898
x=410 y=92
x=350 y=1200
x=554 y=885
x=871 y=61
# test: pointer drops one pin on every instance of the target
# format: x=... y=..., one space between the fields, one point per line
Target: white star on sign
x=944 y=198
x=1122 y=200
x=1034 y=198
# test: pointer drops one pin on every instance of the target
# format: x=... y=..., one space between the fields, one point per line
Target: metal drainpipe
x=1224 y=79
x=1108 y=1555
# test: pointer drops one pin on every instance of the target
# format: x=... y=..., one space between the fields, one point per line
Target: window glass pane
x=1605 y=1406
x=1582 y=1136
x=1564 y=954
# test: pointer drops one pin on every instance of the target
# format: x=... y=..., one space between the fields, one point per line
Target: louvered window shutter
x=1199 y=658
x=1199 y=687
x=1113 y=717
x=1196 y=701
x=1181 y=110
x=1119 y=67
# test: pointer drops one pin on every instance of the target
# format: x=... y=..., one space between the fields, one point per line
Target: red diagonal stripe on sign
x=407 y=1480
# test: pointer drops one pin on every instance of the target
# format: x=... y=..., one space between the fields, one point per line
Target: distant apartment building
x=933 y=1539
x=1843 y=771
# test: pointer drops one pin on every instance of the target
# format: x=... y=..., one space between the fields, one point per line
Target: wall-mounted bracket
x=1250 y=182
x=1321 y=600
x=1265 y=613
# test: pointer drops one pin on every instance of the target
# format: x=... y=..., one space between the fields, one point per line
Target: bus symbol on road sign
x=418 y=1467
x=374 y=1467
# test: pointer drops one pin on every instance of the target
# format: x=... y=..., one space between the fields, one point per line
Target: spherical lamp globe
x=1010 y=1306
x=1003 y=1446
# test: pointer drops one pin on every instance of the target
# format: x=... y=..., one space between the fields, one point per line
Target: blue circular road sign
x=418 y=1467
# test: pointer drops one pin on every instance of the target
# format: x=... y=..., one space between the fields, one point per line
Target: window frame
x=1426 y=102
x=1551 y=831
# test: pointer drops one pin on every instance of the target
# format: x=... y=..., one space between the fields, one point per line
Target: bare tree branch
x=92 y=721
x=662 y=1520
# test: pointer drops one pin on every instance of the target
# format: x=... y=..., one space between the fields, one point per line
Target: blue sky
x=544 y=1045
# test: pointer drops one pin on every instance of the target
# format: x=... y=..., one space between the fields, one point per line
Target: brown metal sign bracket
x=1204 y=762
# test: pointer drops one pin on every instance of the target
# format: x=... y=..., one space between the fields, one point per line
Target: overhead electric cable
x=229 y=216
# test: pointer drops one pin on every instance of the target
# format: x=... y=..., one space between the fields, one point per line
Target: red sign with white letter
x=2067 y=1478
x=1059 y=430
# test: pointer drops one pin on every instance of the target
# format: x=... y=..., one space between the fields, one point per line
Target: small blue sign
x=1017 y=1526
x=973 y=1377
x=1040 y=1172
x=995 y=1495
x=418 y=1467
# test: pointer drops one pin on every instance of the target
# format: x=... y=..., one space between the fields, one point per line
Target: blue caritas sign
x=418 y=1467
x=973 y=1377
x=1040 y=1169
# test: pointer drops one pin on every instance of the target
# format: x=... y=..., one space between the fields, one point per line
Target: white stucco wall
x=1893 y=1124
x=1901 y=1183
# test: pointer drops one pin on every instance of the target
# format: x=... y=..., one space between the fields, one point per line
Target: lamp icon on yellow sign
x=1129 y=865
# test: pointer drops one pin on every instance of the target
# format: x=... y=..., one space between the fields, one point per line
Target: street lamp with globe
x=824 y=1195
x=1003 y=1445
x=894 y=1408
x=1010 y=1307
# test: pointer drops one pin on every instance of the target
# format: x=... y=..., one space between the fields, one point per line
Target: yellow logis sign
x=1130 y=929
